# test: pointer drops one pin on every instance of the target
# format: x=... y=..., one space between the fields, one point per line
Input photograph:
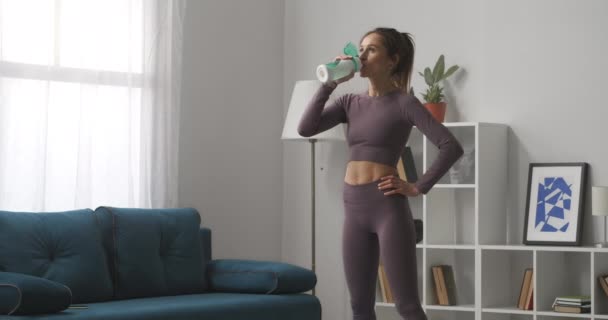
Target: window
x=71 y=74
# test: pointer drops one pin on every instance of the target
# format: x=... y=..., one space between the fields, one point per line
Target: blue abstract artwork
x=553 y=205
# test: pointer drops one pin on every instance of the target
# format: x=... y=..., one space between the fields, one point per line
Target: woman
x=378 y=222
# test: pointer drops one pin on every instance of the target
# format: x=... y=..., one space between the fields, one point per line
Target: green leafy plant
x=434 y=93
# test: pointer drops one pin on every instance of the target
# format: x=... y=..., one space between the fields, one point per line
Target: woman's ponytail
x=406 y=59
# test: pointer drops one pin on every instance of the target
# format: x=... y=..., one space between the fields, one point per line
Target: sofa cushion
x=250 y=276
x=23 y=294
x=206 y=306
x=154 y=252
x=64 y=247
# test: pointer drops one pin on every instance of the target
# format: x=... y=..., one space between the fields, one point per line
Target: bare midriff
x=360 y=172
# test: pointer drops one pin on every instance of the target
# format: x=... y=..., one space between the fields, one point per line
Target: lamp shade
x=599 y=201
x=303 y=92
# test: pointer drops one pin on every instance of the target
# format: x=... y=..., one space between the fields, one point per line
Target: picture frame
x=555 y=203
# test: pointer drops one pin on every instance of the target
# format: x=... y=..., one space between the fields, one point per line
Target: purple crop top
x=379 y=127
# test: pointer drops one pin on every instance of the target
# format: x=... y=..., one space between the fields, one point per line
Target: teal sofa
x=137 y=264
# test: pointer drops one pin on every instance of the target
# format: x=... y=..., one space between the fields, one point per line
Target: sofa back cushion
x=153 y=252
x=64 y=247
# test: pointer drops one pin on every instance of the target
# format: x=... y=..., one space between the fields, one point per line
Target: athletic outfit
x=378 y=226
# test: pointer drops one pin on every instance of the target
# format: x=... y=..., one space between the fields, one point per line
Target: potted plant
x=434 y=93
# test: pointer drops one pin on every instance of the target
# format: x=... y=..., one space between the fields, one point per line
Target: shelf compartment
x=386 y=311
x=507 y=247
x=419 y=259
x=560 y=274
x=508 y=310
x=454 y=186
x=389 y=312
x=415 y=142
x=451 y=246
x=463 y=267
x=452 y=308
x=600 y=301
x=450 y=215
x=491 y=315
x=450 y=314
x=502 y=273
x=550 y=315
x=494 y=223
x=416 y=209
x=419 y=265
x=463 y=171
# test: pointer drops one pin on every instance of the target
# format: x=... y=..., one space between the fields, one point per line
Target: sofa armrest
x=250 y=276
x=24 y=294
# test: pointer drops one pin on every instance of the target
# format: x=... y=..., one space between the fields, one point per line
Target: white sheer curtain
x=89 y=103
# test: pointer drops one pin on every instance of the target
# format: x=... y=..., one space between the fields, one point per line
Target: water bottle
x=338 y=69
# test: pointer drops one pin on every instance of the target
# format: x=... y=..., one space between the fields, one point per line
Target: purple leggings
x=378 y=226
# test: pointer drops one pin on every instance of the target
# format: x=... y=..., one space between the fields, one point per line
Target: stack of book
x=526 y=301
x=445 y=285
x=572 y=304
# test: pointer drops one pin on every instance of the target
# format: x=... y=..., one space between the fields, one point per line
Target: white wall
x=523 y=62
x=544 y=74
x=230 y=149
x=538 y=66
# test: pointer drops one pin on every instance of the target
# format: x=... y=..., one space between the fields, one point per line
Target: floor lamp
x=303 y=92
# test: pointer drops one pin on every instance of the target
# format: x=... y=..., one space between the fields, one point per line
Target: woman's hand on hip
x=394 y=185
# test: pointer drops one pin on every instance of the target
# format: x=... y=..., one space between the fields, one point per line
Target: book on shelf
x=529 y=304
x=525 y=287
x=530 y=300
x=569 y=303
x=572 y=304
x=439 y=295
x=445 y=285
x=572 y=309
x=603 y=280
x=381 y=282
x=387 y=295
x=581 y=299
x=450 y=284
x=406 y=167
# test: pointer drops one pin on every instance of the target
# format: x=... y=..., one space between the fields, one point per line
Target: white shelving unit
x=465 y=226
x=558 y=271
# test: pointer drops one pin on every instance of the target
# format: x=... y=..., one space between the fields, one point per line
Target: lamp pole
x=313 y=204
x=302 y=94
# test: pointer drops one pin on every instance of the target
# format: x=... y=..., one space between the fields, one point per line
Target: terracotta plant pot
x=437 y=110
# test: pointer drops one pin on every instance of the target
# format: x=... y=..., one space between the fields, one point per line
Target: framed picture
x=555 y=203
